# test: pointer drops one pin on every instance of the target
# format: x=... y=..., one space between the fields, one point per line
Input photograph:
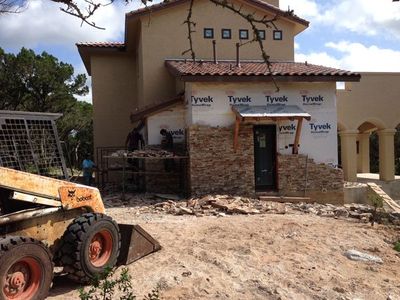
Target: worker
x=167 y=143
x=87 y=167
x=134 y=140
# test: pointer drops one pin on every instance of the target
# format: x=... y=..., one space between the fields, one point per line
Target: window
x=208 y=33
x=277 y=35
x=261 y=34
x=243 y=34
x=226 y=34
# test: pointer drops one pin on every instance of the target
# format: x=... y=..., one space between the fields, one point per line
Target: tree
x=38 y=82
x=41 y=83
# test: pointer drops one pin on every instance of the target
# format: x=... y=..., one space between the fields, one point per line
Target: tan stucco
x=377 y=94
x=160 y=41
x=114 y=95
x=363 y=107
x=124 y=80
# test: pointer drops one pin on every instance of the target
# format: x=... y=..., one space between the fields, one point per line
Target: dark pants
x=169 y=165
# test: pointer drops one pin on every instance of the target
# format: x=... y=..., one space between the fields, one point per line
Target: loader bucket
x=135 y=244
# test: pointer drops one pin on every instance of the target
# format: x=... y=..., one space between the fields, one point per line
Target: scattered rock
x=186 y=274
x=360 y=256
x=222 y=205
x=339 y=290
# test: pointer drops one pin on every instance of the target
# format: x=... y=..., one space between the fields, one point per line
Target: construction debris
x=147 y=153
x=360 y=256
x=224 y=205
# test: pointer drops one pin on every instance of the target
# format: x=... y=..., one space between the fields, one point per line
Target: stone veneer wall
x=324 y=183
x=214 y=167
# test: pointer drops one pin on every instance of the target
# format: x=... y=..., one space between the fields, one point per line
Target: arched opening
x=397 y=150
x=368 y=148
x=340 y=127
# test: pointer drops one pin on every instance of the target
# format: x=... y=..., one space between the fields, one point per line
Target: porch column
x=363 y=153
x=348 y=140
x=386 y=154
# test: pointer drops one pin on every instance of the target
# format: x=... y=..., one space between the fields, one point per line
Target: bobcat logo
x=71 y=193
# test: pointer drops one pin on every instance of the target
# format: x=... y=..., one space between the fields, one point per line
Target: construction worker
x=134 y=140
x=87 y=167
x=167 y=143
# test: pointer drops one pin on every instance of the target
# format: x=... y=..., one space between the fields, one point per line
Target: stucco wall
x=114 y=97
x=378 y=94
x=165 y=36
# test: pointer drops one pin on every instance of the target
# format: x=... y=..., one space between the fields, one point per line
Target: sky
x=356 y=35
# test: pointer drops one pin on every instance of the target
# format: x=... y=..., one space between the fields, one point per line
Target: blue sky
x=358 y=35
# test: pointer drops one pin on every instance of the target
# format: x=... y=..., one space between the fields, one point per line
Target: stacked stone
x=299 y=174
x=214 y=166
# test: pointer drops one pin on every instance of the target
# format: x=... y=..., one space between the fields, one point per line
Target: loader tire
x=26 y=268
x=90 y=244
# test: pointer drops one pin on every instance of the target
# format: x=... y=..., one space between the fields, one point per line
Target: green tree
x=38 y=82
x=42 y=83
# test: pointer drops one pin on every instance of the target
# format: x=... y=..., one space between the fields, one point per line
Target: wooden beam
x=236 y=112
x=297 y=137
x=236 y=135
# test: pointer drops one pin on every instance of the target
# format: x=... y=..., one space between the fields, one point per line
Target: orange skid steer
x=46 y=222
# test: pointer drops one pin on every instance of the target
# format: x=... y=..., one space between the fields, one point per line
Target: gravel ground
x=265 y=256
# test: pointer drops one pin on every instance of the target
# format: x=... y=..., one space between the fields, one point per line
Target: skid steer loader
x=47 y=222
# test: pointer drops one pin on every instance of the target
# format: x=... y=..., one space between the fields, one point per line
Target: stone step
x=266 y=194
x=285 y=199
x=388 y=202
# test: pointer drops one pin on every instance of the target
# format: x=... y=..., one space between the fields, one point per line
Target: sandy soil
x=291 y=256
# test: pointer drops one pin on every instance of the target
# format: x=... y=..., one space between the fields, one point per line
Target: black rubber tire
x=16 y=248
x=74 y=250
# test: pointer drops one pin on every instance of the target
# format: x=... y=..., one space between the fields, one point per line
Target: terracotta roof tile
x=259 y=3
x=101 y=44
x=251 y=68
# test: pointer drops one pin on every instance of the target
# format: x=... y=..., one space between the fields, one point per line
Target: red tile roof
x=258 y=3
x=184 y=68
x=101 y=44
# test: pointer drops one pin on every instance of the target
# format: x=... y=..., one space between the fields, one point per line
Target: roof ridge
x=261 y=4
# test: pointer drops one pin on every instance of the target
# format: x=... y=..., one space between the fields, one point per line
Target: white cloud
x=369 y=17
x=43 y=23
x=302 y=8
x=355 y=57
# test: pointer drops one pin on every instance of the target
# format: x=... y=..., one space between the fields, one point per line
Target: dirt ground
x=290 y=256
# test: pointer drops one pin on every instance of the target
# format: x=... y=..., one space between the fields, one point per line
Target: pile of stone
x=357 y=211
x=151 y=152
x=222 y=205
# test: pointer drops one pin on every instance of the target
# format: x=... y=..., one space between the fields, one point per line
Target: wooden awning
x=270 y=112
x=155 y=108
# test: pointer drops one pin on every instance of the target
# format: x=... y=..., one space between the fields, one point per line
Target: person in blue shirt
x=87 y=167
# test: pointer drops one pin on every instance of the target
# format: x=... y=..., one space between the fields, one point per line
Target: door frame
x=274 y=187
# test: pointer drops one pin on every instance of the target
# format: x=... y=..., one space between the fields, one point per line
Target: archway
x=368 y=148
x=397 y=150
